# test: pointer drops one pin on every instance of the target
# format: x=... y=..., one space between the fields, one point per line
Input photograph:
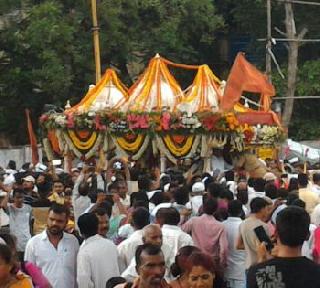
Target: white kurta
x=127 y=249
x=97 y=262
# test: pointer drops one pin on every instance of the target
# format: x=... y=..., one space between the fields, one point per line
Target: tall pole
x=269 y=43
x=95 y=31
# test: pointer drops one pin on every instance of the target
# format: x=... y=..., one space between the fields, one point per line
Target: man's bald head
x=152 y=234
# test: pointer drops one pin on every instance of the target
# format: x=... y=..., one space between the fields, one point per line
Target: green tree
x=302 y=127
x=47 y=54
x=39 y=54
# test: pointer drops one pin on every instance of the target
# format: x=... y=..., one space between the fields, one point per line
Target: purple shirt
x=209 y=235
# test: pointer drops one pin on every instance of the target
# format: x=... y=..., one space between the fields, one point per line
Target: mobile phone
x=263 y=237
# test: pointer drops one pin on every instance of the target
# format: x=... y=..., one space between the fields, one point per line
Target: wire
x=299 y=2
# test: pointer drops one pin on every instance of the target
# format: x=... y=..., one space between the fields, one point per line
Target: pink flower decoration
x=44 y=118
x=98 y=124
x=138 y=121
x=70 y=121
x=165 y=121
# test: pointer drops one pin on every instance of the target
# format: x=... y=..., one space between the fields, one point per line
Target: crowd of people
x=129 y=226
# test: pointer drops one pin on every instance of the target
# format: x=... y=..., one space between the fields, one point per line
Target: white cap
x=29 y=178
x=198 y=187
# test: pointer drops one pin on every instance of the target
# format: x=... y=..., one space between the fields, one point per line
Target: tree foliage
x=46 y=50
x=47 y=54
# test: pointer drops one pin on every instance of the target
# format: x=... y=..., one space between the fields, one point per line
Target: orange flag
x=245 y=77
x=33 y=139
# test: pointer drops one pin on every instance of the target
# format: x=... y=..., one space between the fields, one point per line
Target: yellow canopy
x=109 y=92
x=155 y=89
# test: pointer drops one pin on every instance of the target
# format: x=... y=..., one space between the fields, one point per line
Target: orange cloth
x=21 y=281
x=245 y=77
x=33 y=139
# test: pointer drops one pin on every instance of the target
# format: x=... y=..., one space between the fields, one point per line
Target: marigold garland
x=130 y=146
x=82 y=145
x=176 y=150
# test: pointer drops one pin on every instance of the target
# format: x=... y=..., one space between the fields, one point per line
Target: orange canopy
x=204 y=94
x=155 y=89
x=109 y=92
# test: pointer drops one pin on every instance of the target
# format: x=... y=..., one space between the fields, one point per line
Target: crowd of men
x=128 y=226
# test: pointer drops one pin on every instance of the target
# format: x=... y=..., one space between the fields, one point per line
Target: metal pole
x=269 y=43
x=95 y=31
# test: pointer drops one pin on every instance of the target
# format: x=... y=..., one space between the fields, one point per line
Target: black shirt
x=298 y=272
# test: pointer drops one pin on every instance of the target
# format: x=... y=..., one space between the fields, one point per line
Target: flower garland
x=61 y=141
x=142 y=149
x=161 y=146
x=47 y=148
x=138 y=154
x=79 y=143
x=95 y=148
x=176 y=150
x=130 y=146
x=195 y=146
x=79 y=154
x=75 y=151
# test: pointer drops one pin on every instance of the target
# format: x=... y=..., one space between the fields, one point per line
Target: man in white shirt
x=195 y=202
x=151 y=235
x=80 y=198
x=127 y=248
x=172 y=235
x=55 y=251
x=20 y=220
x=218 y=162
x=97 y=260
x=123 y=200
x=235 y=271
x=258 y=186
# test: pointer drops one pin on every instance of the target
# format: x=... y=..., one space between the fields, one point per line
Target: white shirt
x=20 y=224
x=127 y=249
x=175 y=238
x=125 y=231
x=58 y=265
x=97 y=262
x=236 y=258
x=4 y=218
x=217 y=163
x=251 y=196
x=131 y=273
x=80 y=203
x=159 y=206
x=307 y=246
x=195 y=203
